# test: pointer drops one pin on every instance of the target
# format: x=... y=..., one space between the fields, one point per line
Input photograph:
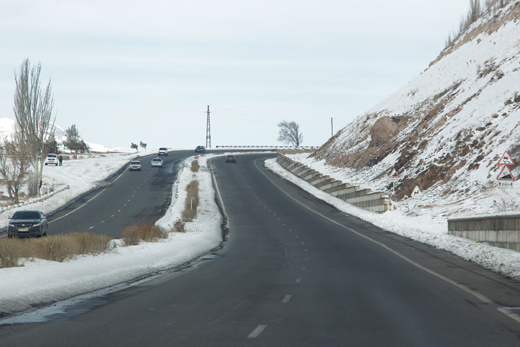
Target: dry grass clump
x=179 y=226
x=195 y=166
x=190 y=206
x=56 y=247
x=133 y=234
x=10 y=252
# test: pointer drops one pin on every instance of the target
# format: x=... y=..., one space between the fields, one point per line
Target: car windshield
x=135 y=162
x=157 y=160
x=162 y=149
x=26 y=215
x=51 y=156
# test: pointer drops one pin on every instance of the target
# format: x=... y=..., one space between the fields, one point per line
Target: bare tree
x=14 y=166
x=134 y=146
x=33 y=112
x=290 y=133
x=143 y=145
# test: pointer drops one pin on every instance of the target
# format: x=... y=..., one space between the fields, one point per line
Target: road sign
x=506 y=159
x=417 y=193
x=505 y=174
x=394 y=176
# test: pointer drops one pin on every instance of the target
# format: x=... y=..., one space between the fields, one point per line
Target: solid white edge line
x=95 y=196
x=476 y=294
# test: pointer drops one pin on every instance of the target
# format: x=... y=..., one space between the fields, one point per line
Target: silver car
x=157 y=162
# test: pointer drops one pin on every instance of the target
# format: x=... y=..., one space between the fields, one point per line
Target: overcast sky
x=129 y=70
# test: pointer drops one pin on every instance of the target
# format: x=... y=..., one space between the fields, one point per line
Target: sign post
x=394 y=177
x=416 y=193
x=505 y=177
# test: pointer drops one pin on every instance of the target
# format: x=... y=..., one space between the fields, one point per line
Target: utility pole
x=208 y=132
x=331 y=126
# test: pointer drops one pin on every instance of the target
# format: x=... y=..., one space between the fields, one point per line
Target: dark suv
x=27 y=223
x=200 y=149
x=231 y=159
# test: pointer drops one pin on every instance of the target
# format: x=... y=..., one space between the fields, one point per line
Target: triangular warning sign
x=393 y=174
x=416 y=192
x=506 y=159
x=505 y=174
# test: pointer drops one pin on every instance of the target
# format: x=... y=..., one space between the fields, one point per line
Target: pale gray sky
x=130 y=70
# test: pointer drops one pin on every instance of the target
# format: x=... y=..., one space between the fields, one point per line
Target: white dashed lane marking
x=286 y=299
x=254 y=334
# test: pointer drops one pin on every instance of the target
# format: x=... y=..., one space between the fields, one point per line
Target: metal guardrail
x=271 y=147
x=35 y=200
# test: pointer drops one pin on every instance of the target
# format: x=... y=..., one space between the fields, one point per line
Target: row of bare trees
x=476 y=9
x=136 y=147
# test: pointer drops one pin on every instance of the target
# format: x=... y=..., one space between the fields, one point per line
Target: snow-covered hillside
x=446 y=130
x=7 y=128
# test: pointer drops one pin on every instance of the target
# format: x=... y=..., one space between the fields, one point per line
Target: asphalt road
x=128 y=197
x=295 y=272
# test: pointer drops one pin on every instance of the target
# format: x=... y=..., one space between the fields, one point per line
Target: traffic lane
x=384 y=288
x=130 y=198
x=501 y=290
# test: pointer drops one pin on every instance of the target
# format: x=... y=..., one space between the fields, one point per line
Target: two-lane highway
x=295 y=272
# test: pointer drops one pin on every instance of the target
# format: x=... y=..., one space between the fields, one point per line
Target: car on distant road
x=200 y=149
x=52 y=159
x=157 y=162
x=231 y=159
x=135 y=165
x=163 y=151
x=27 y=223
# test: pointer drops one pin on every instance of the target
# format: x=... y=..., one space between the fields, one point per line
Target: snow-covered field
x=45 y=281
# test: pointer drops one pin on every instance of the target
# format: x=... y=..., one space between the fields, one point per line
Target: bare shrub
x=179 y=226
x=10 y=252
x=56 y=247
x=190 y=206
x=195 y=166
x=91 y=243
x=131 y=235
x=147 y=232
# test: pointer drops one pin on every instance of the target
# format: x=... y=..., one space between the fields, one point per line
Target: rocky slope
x=446 y=130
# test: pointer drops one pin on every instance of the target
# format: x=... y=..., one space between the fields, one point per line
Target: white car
x=135 y=165
x=52 y=159
x=163 y=151
x=157 y=162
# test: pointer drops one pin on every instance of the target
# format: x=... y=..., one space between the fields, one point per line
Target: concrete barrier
x=363 y=198
x=498 y=230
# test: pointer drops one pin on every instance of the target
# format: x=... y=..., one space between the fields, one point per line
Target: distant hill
x=7 y=128
x=446 y=130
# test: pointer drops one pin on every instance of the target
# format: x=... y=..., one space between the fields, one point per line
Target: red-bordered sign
x=505 y=174
x=506 y=159
x=393 y=174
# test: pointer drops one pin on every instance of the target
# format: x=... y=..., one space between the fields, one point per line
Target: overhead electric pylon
x=208 y=132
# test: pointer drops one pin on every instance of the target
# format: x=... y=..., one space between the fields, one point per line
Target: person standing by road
x=60 y=159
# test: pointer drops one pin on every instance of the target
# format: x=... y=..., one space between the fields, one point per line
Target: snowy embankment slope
x=421 y=228
x=40 y=281
x=446 y=130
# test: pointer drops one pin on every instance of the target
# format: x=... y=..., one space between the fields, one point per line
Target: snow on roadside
x=40 y=281
x=425 y=229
